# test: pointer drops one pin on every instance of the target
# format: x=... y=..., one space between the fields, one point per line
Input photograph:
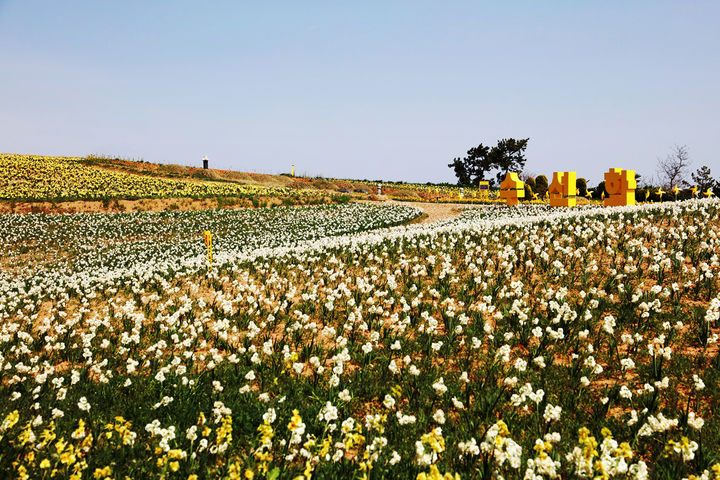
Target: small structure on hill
x=206 y=160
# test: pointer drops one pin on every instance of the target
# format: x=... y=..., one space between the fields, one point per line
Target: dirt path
x=436 y=211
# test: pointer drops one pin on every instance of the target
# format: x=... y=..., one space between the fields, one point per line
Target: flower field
x=436 y=192
x=27 y=177
x=324 y=342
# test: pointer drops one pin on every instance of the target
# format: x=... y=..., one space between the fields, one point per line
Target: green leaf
x=274 y=473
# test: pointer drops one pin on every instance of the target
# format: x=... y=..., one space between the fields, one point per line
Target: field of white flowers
x=516 y=343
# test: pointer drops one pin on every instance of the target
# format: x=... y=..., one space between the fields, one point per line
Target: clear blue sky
x=390 y=90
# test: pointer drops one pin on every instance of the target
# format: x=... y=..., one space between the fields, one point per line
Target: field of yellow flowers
x=333 y=342
x=28 y=178
x=439 y=193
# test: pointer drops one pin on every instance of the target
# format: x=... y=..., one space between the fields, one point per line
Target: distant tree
x=673 y=169
x=507 y=156
x=581 y=185
x=703 y=178
x=462 y=171
x=640 y=194
x=529 y=181
x=598 y=192
x=541 y=185
x=472 y=168
x=525 y=176
x=528 y=191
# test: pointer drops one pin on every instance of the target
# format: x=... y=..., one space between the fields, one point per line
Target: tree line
x=485 y=163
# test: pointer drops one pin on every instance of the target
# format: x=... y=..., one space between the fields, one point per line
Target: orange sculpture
x=620 y=185
x=562 y=190
x=512 y=189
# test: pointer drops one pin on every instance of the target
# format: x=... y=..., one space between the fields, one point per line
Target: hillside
x=30 y=183
x=30 y=177
x=33 y=183
x=181 y=172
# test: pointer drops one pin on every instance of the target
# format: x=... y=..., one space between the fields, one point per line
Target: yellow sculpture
x=620 y=185
x=512 y=189
x=562 y=190
x=208 y=243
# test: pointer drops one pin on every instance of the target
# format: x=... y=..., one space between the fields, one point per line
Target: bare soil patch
x=436 y=211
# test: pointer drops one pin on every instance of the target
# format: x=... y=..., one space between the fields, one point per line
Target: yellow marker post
x=484 y=190
x=208 y=244
x=562 y=190
x=620 y=185
x=292 y=170
x=512 y=189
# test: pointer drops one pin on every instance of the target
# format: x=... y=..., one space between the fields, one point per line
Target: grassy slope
x=180 y=172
